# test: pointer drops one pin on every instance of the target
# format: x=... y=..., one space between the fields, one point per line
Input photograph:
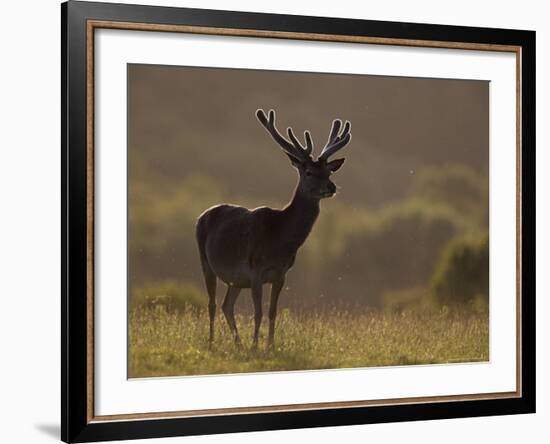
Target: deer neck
x=300 y=215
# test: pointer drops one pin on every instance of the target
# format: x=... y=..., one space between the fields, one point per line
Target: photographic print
x=255 y=206
x=282 y=221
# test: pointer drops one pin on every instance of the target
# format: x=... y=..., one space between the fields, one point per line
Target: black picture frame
x=76 y=423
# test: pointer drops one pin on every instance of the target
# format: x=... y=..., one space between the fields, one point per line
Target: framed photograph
x=275 y=221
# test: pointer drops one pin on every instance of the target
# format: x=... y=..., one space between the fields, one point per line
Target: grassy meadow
x=394 y=272
x=170 y=343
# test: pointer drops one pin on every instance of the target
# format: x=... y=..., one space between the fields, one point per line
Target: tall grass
x=164 y=343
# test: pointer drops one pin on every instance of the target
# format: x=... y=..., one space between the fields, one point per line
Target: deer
x=249 y=248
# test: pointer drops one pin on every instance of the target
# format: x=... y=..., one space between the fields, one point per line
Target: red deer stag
x=248 y=248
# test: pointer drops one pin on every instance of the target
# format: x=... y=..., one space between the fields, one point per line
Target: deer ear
x=334 y=165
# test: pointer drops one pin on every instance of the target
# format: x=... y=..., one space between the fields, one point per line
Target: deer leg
x=257 y=299
x=275 y=291
x=210 y=279
x=228 y=308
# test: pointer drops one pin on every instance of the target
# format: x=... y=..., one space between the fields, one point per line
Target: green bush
x=171 y=295
x=364 y=255
x=461 y=277
x=456 y=186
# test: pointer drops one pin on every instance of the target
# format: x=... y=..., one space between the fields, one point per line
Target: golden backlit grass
x=170 y=344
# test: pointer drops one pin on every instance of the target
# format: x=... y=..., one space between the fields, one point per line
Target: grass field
x=170 y=344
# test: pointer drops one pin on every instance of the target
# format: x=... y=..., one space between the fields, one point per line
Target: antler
x=293 y=148
x=336 y=141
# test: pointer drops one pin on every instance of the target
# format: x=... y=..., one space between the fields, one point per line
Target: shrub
x=396 y=250
x=456 y=186
x=171 y=295
x=461 y=277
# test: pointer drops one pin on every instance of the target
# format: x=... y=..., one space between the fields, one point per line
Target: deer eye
x=308 y=173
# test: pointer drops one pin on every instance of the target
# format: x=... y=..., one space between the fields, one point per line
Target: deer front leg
x=228 y=308
x=275 y=291
x=257 y=299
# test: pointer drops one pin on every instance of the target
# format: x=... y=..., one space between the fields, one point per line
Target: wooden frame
x=79 y=21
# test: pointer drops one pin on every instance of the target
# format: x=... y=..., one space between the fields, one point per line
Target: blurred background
x=407 y=230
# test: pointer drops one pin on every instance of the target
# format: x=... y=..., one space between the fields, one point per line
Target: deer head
x=314 y=174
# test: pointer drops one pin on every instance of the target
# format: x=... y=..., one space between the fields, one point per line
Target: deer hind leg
x=210 y=279
x=257 y=299
x=209 y=275
x=228 y=308
x=275 y=291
